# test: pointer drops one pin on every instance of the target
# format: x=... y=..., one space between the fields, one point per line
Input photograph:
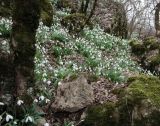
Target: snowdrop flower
x=50 y=68
x=59 y=83
x=47 y=100
x=44 y=75
x=4 y=43
x=46 y=124
x=19 y=102
x=55 y=74
x=41 y=98
x=0 y=118
x=44 y=80
x=29 y=119
x=61 y=63
x=8 y=117
x=35 y=100
x=1 y=103
x=15 y=122
x=49 y=82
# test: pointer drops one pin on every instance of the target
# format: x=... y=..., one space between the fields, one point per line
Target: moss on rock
x=150 y=40
x=149 y=85
x=137 y=105
x=101 y=115
x=155 y=60
x=147 y=53
x=150 y=43
x=137 y=47
x=74 y=22
x=65 y=4
x=141 y=99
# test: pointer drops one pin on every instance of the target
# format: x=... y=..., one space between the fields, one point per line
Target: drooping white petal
x=19 y=102
x=8 y=117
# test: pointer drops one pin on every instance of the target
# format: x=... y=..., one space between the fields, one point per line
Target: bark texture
x=26 y=14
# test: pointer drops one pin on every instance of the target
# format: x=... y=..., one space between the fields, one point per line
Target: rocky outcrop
x=73 y=95
x=137 y=105
x=147 y=53
x=112 y=17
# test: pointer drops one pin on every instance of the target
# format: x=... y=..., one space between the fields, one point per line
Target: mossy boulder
x=148 y=85
x=147 y=53
x=111 y=17
x=71 y=4
x=101 y=115
x=145 y=46
x=137 y=47
x=137 y=105
x=74 y=22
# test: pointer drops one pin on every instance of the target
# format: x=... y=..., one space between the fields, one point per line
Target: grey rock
x=73 y=95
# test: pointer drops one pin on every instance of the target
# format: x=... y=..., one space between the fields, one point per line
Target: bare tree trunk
x=26 y=14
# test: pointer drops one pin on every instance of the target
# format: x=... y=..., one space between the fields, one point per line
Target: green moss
x=143 y=92
x=64 y=4
x=74 y=22
x=148 y=44
x=155 y=60
x=101 y=115
x=137 y=105
x=149 y=41
x=149 y=86
x=137 y=47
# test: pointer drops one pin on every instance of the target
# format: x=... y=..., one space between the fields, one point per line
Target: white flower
x=44 y=75
x=47 y=100
x=35 y=100
x=1 y=103
x=19 y=102
x=29 y=119
x=50 y=68
x=44 y=80
x=49 y=82
x=15 y=122
x=46 y=124
x=59 y=83
x=4 y=43
x=41 y=98
x=0 y=118
x=8 y=117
